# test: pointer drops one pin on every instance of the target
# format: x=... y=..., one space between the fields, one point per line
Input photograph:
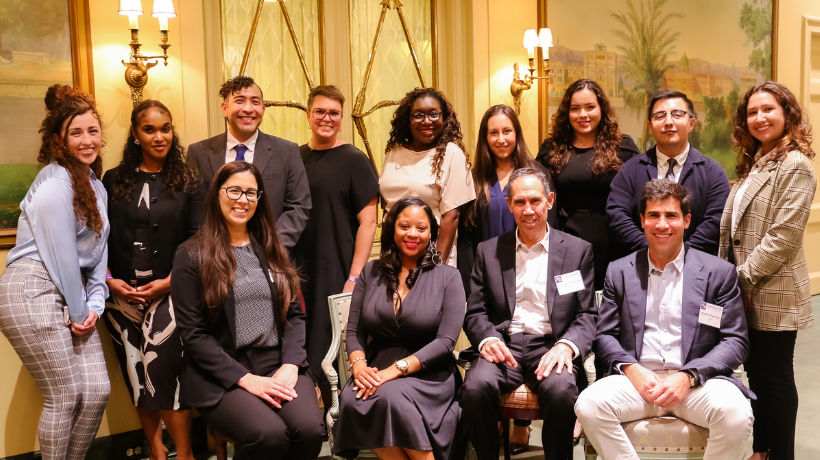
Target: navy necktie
x=240 y=152
x=670 y=171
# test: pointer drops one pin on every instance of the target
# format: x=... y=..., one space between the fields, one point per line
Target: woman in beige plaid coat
x=761 y=231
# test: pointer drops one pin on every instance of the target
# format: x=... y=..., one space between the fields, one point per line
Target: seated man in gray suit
x=531 y=316
x=283 y=174
x=671 y=330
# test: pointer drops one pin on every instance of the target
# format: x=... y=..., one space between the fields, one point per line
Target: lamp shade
x=530 y=39
x=130 y=7
x=164 y=9
x=545 y=38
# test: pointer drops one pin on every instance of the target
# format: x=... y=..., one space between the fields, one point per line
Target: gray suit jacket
x=712 y=352
x=492 y=295
x=283 y=175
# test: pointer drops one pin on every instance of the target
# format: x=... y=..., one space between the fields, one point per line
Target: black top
x=581 y=197
x=171 y=220
x=342 y=182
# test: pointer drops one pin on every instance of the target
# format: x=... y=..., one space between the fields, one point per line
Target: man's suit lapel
x=694 y=290
x=636 y=288
x=506 y=260
x=692 y=159
x=216 y=155
x=555 y=266
x=263 y=152
x=651 y=164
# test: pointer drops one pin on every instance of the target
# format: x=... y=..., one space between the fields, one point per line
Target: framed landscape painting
x=713 y=51
x=41 y=43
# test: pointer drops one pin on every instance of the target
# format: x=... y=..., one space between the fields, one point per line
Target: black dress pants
x=294 y=432
x=770 y=368
x=480 y=398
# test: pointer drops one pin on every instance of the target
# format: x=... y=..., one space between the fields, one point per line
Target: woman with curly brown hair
x=761 y=231
x=425 y=157
x=53 y=290
x=583 y=153
x=155 y=204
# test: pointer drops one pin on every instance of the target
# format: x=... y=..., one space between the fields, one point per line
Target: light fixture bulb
x=530 y=39
x=545 y=38
x=130 y=7
x=164 y=9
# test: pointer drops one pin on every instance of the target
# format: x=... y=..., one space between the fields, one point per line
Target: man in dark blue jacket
x=671 y=117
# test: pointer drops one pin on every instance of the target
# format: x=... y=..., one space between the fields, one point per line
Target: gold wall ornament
x=532 y=40
x=136 y=68
x=296 y=44
x=358 y=115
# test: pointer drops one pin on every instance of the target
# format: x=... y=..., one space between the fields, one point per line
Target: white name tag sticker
x=710 y=314
x=569 y=282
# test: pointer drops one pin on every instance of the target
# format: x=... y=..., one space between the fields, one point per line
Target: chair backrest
x=339 y=306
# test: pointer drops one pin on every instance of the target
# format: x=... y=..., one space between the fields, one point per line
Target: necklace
x=144 y=169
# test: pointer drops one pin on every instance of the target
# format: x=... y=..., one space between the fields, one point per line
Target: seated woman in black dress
x=405 y=316
x=154 y=204
x=242 y=329
x=583 y=153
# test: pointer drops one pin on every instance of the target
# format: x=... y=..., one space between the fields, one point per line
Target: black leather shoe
x=516 y=448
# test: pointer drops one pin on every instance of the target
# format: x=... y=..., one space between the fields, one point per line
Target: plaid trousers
x=69 y=370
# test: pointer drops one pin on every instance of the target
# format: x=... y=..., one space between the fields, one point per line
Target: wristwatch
x=403 y=366
x=693 y=381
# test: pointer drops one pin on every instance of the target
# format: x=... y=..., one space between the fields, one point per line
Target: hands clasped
x=273 y=390
x=666 y=392
x=368 y=379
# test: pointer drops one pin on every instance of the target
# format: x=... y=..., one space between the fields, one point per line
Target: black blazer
x=702 y=176
x=469 y=236
x=492 y=301
x=174 y=219
x=283 y=174
x=209 y=345
x=712 y=352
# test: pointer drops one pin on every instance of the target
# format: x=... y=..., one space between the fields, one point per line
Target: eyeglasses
x=418 y=117
x=235 y=193
x=676 y=114
x=319 y=114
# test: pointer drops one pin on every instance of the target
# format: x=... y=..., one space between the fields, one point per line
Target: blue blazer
x=703 y=177
x=713 y=353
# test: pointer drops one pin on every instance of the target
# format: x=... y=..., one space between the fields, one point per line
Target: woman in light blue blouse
x=53 y=289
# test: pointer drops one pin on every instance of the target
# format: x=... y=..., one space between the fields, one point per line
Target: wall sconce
x=532 y=40
x=136 y=70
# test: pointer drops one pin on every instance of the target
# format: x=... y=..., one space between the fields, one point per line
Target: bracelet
x=352 y=278
x=360 y=358
x=108 y=276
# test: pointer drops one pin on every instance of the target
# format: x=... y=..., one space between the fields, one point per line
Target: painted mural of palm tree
x=648 y=41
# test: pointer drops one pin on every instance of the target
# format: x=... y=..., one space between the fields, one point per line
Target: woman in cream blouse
x=425 y=157
x=761 y=231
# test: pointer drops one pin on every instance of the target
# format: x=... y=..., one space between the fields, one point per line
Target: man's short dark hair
x=235 y=85
x=669 y=94
x=521 y=172
x=661 y=189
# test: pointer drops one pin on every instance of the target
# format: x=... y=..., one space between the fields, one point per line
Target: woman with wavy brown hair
x=761 y=231
x=53 y=289
x=242 y=327
x=155 y=202
x=425 y=157
x=583 y=153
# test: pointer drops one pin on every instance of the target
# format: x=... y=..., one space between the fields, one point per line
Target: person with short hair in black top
x=583 y=153
x=242 y=327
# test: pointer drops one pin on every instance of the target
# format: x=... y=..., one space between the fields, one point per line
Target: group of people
x=212 y=272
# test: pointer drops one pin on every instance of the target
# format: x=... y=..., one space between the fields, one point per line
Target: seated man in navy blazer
x=279 y=161
x=671 y=330
x=531 y=316
x=671 y=117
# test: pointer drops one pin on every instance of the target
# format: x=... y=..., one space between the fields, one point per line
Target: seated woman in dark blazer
x=243 y=332
x=405 y=316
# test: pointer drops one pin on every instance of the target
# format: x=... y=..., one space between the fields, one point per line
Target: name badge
x=710 y=314
x=569 y=282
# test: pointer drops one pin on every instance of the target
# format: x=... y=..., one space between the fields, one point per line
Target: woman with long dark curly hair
x=425 y=157
x=583 y=153
x=761 y=231
x=155 y=204
x=400 y=400
x=242 y=327
x=53 y=289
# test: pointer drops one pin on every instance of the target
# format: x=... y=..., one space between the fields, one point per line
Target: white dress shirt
x=663 y=162
x=662 y=345
x=230 y=152
x=531 y=315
